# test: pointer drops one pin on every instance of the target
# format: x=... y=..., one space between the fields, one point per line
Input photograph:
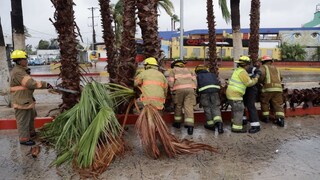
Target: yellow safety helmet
x=178 y=62
x=151 y=61
x=266 y=58
x=18 y=54
x=200 y=67
x=243 y=60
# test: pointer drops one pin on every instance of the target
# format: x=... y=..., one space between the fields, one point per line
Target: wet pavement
x=291 y=152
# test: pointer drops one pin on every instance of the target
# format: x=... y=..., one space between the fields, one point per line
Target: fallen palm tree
x=89 y=134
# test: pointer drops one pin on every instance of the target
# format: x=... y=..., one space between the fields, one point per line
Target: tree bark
x=109 y=39
x=70 y=72
x=148 y=16
x=4 y=70
x=254 y=30
x=212 y=38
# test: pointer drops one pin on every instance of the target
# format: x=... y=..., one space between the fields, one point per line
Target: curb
x=7 y=124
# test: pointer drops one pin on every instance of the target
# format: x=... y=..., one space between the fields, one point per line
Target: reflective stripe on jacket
x=182 y=78
x=272 y=81
x=22 y=86
x=153 y=86
x=238 y=83
x=207 y=82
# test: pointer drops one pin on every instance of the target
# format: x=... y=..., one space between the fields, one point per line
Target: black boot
x=219 y=125
x=254 y=129
x=211 y=128
x=176 y=125
x=280 y=122
x=265 y=119
x=28 y=143
x=190 y=130
x=244 y=121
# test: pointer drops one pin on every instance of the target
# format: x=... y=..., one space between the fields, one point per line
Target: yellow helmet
x=19 y=54
x=243 y=60
x=178 y=62
x=200 y=67
x=151 y=61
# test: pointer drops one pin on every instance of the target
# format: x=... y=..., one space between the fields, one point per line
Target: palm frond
x=151 y=128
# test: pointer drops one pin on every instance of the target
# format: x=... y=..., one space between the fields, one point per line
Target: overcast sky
x=274 y=13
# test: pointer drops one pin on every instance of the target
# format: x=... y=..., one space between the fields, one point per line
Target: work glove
x=258 y=72
x=49 y=86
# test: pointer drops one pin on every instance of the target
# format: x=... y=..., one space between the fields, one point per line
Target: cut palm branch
x=89 y=134
x=151 y=128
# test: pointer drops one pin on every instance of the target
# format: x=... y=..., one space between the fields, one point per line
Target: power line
x=42 y=32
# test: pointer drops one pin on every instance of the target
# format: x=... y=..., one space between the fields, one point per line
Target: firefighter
x=183 y=84
x=208 y=90
x=271 y=91
x=152 y=83
x=237 y=85
x=249 y=100
x=22 y=87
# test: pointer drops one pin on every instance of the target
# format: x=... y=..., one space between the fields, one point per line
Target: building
x=195 y=41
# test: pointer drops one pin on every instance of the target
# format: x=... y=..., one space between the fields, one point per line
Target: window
x=185 y=52
x=269 y=52
x=245 y=52
x=196 y=52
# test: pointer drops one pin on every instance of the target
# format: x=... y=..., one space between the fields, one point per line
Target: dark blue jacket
x=207 y=82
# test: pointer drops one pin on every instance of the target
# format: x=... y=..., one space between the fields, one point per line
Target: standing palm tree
x=254 y=30
x=109 y=39
x=127 y=65
x=212 y=31
x=174 y=19
x=17 y=25
x=236 y=29
x=148 y=16
x=212 y=38
x=117 y=13
x=70 y=73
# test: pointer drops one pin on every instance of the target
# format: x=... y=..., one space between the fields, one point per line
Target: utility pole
x=181 y=29
x=93 y=31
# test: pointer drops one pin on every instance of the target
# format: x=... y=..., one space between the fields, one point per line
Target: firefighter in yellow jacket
x=271 y=91
x=22 y=87
x=238 y=83
x=183 y=84
x=152 y=83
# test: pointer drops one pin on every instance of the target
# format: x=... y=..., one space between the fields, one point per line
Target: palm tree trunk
x=236 y=33
x=127 y=65
x=148 y=16
x=109 y=39
x=17 y=25
x=70 y=72
x=212 y=38
x=254 y=30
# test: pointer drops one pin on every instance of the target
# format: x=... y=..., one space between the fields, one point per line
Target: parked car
x=36 y=61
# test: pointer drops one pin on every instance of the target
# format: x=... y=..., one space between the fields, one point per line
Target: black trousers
x=249 y=100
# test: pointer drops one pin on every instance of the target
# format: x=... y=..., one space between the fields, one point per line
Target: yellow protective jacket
x=182 y=78
x=238 y=83
x=22 y=86
x=153 y=86
x=271 y=79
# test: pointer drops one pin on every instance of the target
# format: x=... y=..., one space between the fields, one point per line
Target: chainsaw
x=57 y=89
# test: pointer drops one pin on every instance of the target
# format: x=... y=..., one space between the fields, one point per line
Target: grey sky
x=274 y=13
